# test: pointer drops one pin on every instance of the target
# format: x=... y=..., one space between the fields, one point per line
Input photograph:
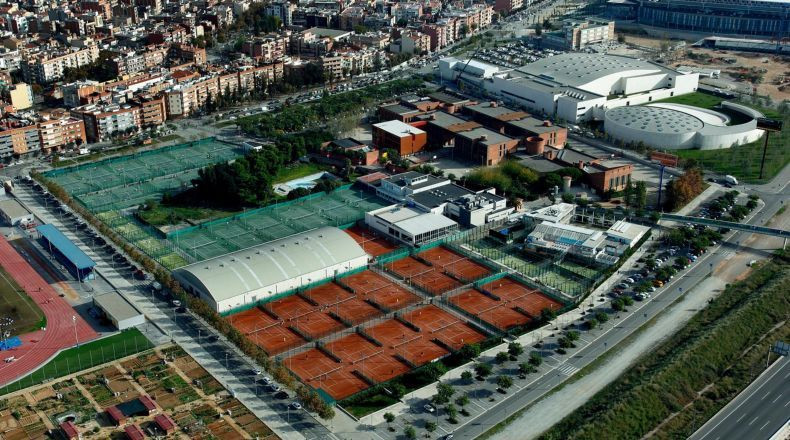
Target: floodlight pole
x=765 y=149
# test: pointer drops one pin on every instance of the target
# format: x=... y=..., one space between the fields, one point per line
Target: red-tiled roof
x=147 y=403
x=116 y=414
x=69 y=429
x=164 y=422
x=133 y=432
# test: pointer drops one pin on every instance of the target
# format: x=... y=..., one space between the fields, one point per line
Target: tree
x=501 y=357
x=640 y=194
x=602 y=317
x=547 y=315
x=462 y=401
x=538 y=29
x=526 y=368
x=592 y=323
x=410 y=432
x=443 y=393
x=683 y=189
x=535 y=358
x=515 y=349
x=482 y=369
x=568 y=197
x=572 y=335
x=467 y=376
x=504 y=382
x=452 y=413
x=430 y=426
x=389 y=418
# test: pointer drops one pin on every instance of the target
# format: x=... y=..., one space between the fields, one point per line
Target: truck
x=730 y=179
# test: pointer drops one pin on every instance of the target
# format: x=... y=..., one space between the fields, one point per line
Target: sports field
x=292 y=321
x=381 y=352
x=19 y=314
x=85 y=356
x=567 y=276
x=219 y=237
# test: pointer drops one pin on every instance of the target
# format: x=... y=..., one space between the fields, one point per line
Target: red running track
x=38 y=346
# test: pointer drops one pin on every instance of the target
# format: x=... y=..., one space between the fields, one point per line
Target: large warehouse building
x=573 y=86
x=676 y=126
x=251 y=275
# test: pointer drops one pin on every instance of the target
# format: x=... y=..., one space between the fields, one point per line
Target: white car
x=295 y=406
x=429 y=408
x=257 y=371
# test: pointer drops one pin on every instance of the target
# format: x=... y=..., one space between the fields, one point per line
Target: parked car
x=429 y=408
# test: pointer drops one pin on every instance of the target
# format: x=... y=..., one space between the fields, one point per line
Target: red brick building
x=399 y=136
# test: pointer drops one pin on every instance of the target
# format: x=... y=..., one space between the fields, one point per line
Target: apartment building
x=268 y=48
x=576 y=35
x=508 y=6
x=17 y=137
x=58 y=129
x=105 y=120
x=153 y=111
x=45 y=67
x=283 y=10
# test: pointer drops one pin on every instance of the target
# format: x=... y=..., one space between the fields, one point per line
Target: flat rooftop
x=398 y=128
x=491 y=137
x=579 y=69
x=12 y=208
x=497 y=111
x=116 y=306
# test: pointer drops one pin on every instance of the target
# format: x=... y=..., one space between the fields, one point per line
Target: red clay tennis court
x=496 y=313
x=372 y=244
x=402 y=340
x=302 y=316
x=438 y=324
x=428 y=278
x=265 y=331
x=519 y=295
x=459 y=266
x=321 y=371
x=354 y=311
x=327 y=294
x=374 y=287
x=369 y=359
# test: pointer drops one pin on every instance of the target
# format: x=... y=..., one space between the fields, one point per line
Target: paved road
x=613 y=333
x=758 y=412
x=199 y=340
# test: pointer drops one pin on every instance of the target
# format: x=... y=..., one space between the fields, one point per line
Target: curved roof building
x=677 y=126
x=573 y=86
x=254 y=274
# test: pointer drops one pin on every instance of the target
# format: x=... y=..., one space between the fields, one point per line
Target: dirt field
x=776 y=79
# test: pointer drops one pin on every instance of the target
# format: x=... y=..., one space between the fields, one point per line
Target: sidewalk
x=131 y=292
x=345 y=423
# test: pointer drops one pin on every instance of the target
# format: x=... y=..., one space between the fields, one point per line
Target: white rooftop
x=398 y=128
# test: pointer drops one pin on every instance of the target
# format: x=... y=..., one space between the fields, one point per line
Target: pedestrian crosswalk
x=567 y=369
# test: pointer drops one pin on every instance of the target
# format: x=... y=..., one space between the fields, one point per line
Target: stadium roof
x=578 y=69
x=66 y=247
x=260 y=266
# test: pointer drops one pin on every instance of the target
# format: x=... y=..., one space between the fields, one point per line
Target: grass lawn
x=743 y=162
x=371 y=405
x=85 y=356
x=697 y=99
x=17 y=305
x=298 y=170
x=169 y=215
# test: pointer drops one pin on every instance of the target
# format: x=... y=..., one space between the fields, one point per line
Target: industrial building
x=409 y=225
x=120 y=312
x=69 y=254
x=572 y=86
x=262 y=272
x=677 y=126
x=13 y=213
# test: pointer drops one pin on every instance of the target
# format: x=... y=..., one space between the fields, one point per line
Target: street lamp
x=74 y=321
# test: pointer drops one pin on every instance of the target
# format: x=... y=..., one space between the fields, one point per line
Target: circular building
x=677 y=126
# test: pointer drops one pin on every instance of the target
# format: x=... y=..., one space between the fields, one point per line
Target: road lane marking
x=753 y=420
x=777 y=398
x=765 y=395
x=740 y=418
x=766 y=424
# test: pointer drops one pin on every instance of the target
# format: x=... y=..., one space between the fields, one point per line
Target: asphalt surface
x=594 y=343
x=758 y=412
